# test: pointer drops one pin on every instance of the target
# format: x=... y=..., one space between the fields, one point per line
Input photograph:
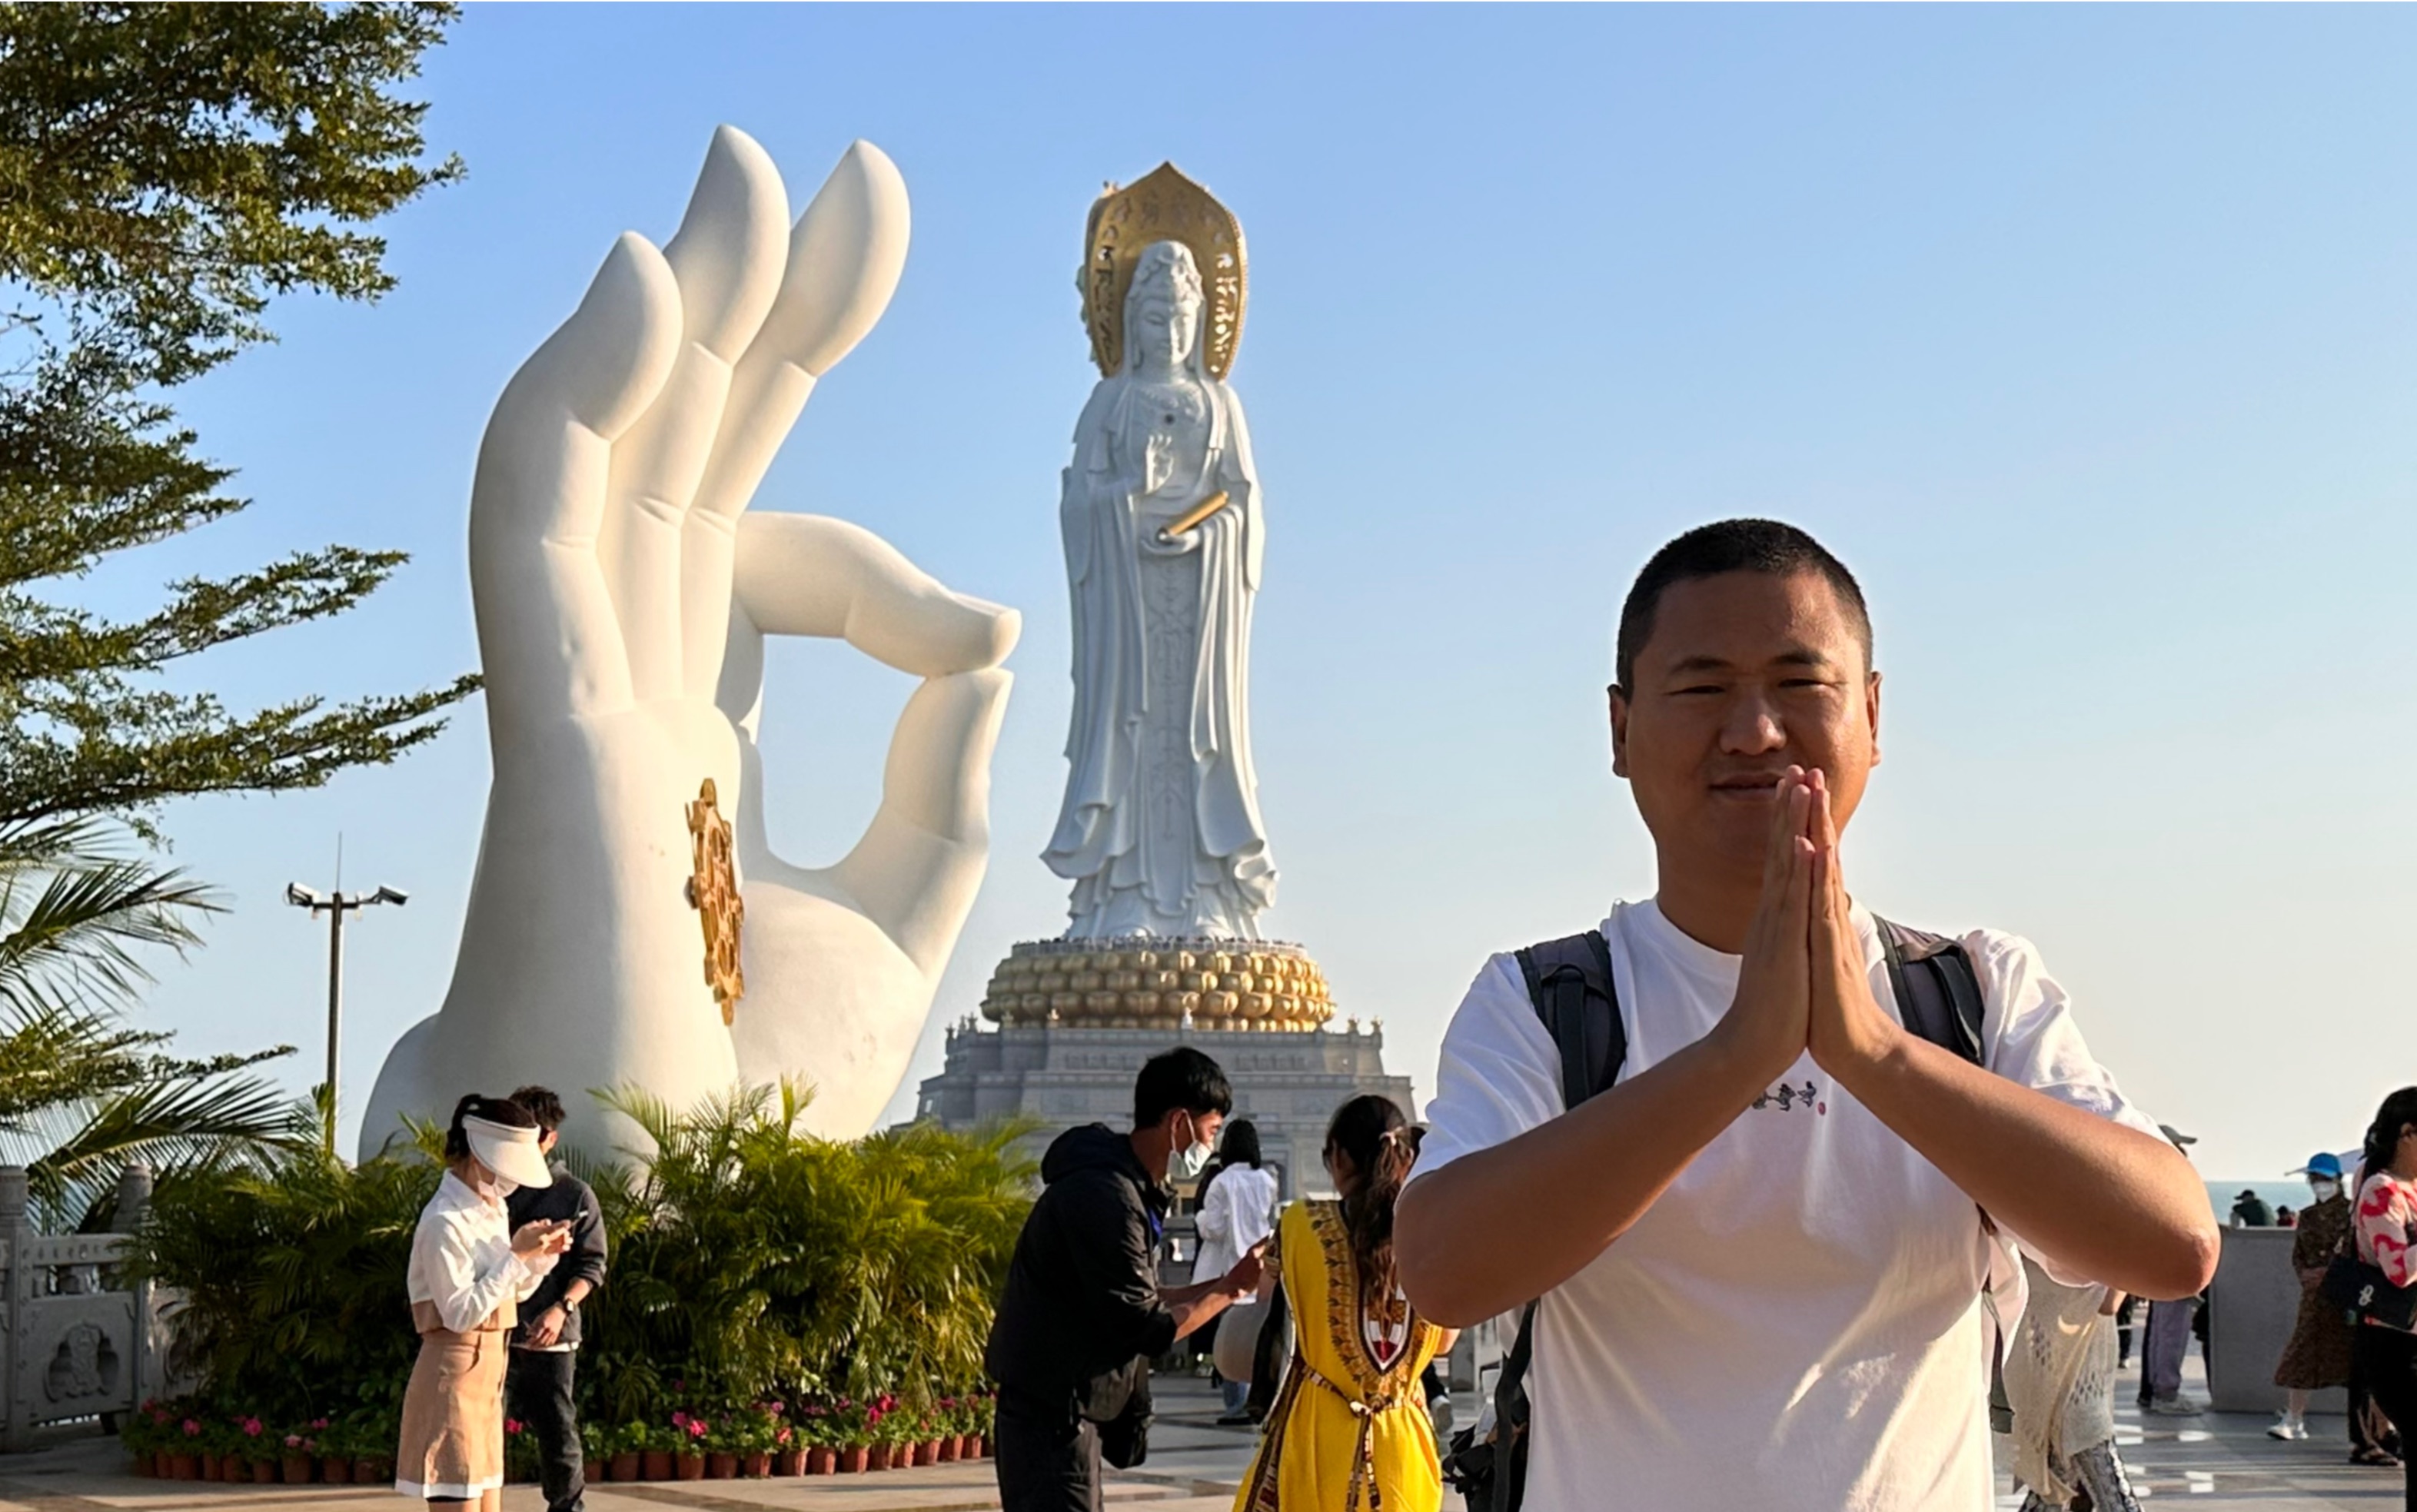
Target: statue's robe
x=1129 y=878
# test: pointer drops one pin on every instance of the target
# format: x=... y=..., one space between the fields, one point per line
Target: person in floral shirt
x=2386 y=1225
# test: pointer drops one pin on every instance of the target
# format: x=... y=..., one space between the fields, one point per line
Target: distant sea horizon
x=2291 y=1193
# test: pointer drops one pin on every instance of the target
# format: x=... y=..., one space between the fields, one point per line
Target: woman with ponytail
x=469 y=1270
x=1350 y=1430
x=2385 y=1223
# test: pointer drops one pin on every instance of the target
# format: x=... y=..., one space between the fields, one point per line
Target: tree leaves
x=164 y=169
x=164 y=172
x=82 y=1094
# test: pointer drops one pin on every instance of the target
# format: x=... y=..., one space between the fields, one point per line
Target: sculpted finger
x=726 y=261
x=603 y=366
x=548 y=637
x=811 y=575
x=917 y=869
x=845 y=258
x=728 y=252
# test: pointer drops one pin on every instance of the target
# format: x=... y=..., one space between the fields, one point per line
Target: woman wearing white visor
x=468 y=1273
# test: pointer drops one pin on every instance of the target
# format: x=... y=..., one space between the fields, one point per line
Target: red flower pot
x=234 y=1470
x=822 y=1459
x=855 y=1459
x=756 y=1464
x=297 y=1468
x=655 y=1465
x=625 y=1465
x=789 y=1462
x=376 y=1471
x=928 y=1452
x=949 y=1447
x=335 y=1470
x=688 y=1466
x=265 y=1472
x=183 y=1466
x=721 y=1466
x=209 y=1464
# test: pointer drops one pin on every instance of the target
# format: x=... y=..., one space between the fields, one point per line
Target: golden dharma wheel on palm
x=1250 y=987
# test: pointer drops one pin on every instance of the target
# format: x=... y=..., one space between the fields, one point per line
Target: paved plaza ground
x=2219 y=1458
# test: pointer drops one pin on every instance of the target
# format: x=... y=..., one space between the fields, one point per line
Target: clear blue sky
x=2089 y=336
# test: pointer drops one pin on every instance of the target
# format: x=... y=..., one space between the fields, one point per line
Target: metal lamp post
x=336 y=905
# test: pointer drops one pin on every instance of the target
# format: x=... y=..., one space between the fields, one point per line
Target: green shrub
x=751 y=1264
x=295 y=1304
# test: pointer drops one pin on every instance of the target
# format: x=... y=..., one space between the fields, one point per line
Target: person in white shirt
x=1763 y=1255
x=1238 y=1214
x=467 y=1274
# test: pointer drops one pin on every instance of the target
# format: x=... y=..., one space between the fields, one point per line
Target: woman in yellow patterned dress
x=1350 y=1430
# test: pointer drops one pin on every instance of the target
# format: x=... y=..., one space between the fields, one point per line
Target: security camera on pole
x=336 y=905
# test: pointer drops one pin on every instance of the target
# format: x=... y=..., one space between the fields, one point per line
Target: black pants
x=537 y=1384
x=2360 y=1438
x=1048 y=1454
x=2388 y=1361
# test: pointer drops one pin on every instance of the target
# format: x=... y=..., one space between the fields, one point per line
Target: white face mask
x=1190 y=1160
x=2326 y=1191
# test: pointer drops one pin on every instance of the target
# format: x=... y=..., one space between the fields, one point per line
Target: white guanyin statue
x=1164 y=534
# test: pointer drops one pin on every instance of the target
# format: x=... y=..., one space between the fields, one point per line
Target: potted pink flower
x=185 y=1458
x=688 y=1459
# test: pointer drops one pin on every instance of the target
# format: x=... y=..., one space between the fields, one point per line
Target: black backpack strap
x=1569 y=982
x=1508 y=1486
x=1938 y=994
x=1937 y=991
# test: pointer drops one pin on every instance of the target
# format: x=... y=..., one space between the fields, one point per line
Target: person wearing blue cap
x=2318 y=1354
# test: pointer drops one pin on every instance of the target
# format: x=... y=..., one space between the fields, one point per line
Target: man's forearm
x=1195 y=1306
x=1498 y=1228
x=2110 y=1203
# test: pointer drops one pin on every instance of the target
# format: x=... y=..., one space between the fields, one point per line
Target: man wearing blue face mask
x=1082 y=1313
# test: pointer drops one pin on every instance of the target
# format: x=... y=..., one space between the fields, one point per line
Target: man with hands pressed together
x=1762 y=1253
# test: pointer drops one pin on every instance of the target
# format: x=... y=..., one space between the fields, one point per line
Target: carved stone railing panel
x=79 y=1343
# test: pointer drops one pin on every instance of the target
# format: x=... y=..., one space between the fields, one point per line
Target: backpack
x=1569 y=984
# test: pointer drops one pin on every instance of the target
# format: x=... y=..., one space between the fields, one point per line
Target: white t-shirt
x=1241 y=1211
x=1797 y=1321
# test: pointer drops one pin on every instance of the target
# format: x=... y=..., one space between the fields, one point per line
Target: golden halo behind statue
x=1162 y=207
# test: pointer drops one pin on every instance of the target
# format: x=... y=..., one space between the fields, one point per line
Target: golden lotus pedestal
x=1235 y=985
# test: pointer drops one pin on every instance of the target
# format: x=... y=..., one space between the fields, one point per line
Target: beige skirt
x=453 y=1416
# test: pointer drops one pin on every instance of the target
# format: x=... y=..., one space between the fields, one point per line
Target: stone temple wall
x=1288 y=1085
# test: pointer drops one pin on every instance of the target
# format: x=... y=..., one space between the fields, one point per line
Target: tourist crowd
x=1765 y=1180
x=1762 y=1183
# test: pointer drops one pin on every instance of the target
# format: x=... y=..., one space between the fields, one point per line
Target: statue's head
x=1163 y=307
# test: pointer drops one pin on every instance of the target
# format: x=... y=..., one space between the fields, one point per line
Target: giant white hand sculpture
x=623 y=593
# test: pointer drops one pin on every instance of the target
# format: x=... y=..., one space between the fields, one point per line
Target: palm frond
x=73 y=916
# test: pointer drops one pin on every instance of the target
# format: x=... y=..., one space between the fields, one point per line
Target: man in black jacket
x=1083 y=1314
x=545 y=1346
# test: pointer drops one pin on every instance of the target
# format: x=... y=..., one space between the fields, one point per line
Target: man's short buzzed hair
x=1182 y=1077
x=542 y=1105
x=1765 y=546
